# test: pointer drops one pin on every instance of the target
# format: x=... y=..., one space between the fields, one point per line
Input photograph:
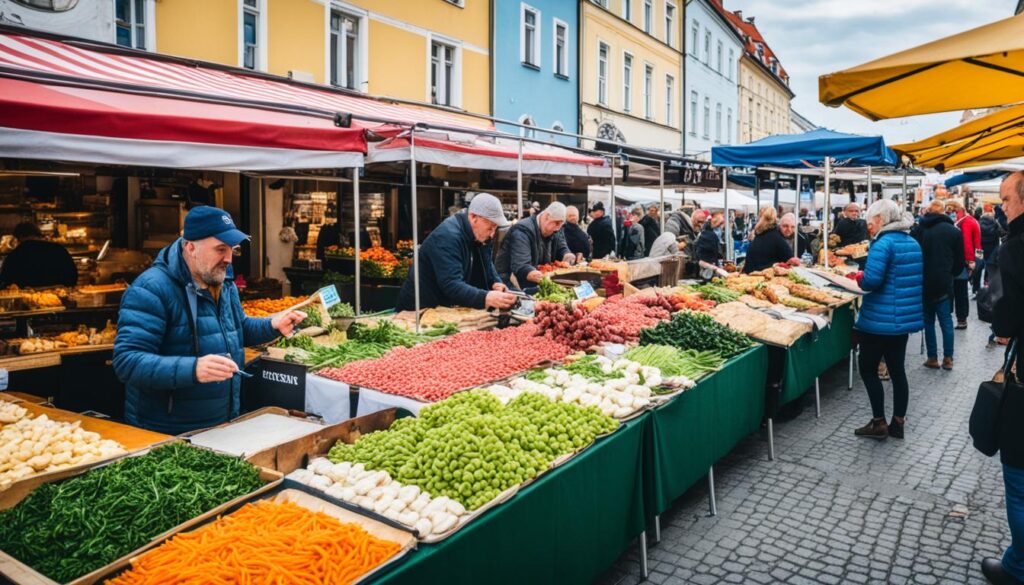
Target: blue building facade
x=535 y=66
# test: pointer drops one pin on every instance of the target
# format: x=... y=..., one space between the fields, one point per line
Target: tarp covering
x=993 y=138
x=807 y=149
x=966 y=178
x=983 y=67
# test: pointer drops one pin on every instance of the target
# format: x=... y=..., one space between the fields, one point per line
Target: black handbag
x=991 y=290
x=988 y=405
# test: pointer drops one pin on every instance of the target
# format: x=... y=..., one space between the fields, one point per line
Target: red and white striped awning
x=87 y=102
x=480 y=154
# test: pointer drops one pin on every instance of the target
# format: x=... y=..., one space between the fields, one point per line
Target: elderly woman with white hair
x=892 y=309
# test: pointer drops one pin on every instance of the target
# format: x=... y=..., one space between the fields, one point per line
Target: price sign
x=584 y=291
x=329 y=296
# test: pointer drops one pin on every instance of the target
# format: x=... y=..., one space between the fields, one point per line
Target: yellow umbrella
x=980 y=68
x=996 y=137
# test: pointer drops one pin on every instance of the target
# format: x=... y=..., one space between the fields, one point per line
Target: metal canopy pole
x=871 y=190
x=661 y=210
x=775 y=200
x=757 y=190
x=415 y=226
x=728 y=224
x=358 y=247
x=611 y=209
x=796 y=214
x=519 y=182
x=828 y=204
x=903 y=202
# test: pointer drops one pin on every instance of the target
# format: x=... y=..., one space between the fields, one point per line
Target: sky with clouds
x=814 y=37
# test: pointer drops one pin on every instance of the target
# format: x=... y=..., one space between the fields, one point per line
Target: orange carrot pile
x=264 y=542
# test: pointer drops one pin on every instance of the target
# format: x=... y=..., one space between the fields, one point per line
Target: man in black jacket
x=991 y=234
x=577 y=239
x=456 y=266
x=531 y=242
x=37 y=262
x=850 y=228
x=788 y=227
x=709 y=246
x=601 y=232
x=942 y=250
x=1009 y=322
x=652 y=227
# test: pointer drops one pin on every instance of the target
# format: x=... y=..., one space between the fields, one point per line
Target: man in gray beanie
x=533 y=241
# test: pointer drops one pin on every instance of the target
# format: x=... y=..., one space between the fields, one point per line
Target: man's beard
x=214 y=277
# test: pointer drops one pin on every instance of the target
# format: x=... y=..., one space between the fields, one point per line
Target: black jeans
x=961 y=301
x=894 y=349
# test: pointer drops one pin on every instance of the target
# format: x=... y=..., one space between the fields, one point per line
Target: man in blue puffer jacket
x=892 y=309
x=181 y=331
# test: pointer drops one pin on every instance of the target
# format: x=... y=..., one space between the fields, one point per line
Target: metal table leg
x=657 y=529
x=849 y=385
x=644 y=570
x=817 y=398
x=771 y=440
x=712 y=504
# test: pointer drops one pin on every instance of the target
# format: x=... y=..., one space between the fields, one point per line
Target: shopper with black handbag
x=1000 y=408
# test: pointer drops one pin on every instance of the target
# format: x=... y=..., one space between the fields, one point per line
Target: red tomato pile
x=573 y=326
x=436 y=370
x=631 y=314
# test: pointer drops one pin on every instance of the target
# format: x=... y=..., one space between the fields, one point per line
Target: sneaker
x=876 y=429
x=947 y=363
x=896 y=428
x=960 y=325
x=932 y=363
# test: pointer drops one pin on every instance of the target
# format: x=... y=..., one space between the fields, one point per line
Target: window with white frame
x=627 y=82
x=695 y=33
x=649 y=16
x=345 y=50
x=670 y=23
x=718 y=58
x=250 y=34
x=707 y=48
x=649 y=92
x=729 y=65
x=707 y=117
x=130 y=22
x=670 y=90
x=527 y=120
x=693 y=113
x=444 y=75
x=728 y=126
x=627 y=9
x=561 y=52
x=602 y=74
x=529 y=36
x=718 y=122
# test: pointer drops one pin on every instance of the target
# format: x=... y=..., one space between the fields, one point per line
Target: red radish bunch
x=631 y=314
x=436 y=370
x=573 y=326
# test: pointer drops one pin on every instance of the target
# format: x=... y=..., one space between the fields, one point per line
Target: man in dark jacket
x=37 y=262
x=788 y=227
x=601 y=232
x=651 y=226
x=1009 y=322
x=531 y=242
x=991 y=234
x=850 y=228
x=709 y=245
x=943 y=253
x=456 y=263
x=181 y=332
x=632 y=245
x=577 y=239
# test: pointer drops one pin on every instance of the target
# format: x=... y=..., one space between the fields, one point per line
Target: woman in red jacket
x=972 y=241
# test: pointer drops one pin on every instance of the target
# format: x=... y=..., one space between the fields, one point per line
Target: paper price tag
x=329 y=296
x=584 y=291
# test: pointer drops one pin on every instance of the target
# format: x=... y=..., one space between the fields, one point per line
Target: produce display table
x=814 y=353
x=686 y=436
x=371 y=401
x=566 y=527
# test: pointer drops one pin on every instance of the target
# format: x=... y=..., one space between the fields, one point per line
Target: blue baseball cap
x=204 y=221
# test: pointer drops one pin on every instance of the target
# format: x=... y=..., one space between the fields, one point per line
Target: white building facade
x=713 y=51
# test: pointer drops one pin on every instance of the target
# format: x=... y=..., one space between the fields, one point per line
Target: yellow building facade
x=764 y=102
x=631 y=71
x=432 y=51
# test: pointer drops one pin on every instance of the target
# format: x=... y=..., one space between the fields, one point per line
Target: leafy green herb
x=699 y=331
x=719 y=294
x=673 y=362
x=588 y=367
x=549 y=290
x=341 y=310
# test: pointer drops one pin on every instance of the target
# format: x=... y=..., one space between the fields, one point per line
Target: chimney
x=739 y=14
x=751 y=20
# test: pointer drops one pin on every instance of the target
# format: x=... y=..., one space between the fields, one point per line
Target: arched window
x=527 y=120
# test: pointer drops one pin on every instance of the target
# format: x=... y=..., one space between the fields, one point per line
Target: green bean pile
x=72 y=527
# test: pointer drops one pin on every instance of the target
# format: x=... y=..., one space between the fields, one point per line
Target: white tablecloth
x=371 y=401
x=328 y=399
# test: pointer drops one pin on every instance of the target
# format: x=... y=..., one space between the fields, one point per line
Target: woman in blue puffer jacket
x=892 y=309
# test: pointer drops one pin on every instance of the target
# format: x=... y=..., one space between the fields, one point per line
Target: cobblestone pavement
x=834 y=508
